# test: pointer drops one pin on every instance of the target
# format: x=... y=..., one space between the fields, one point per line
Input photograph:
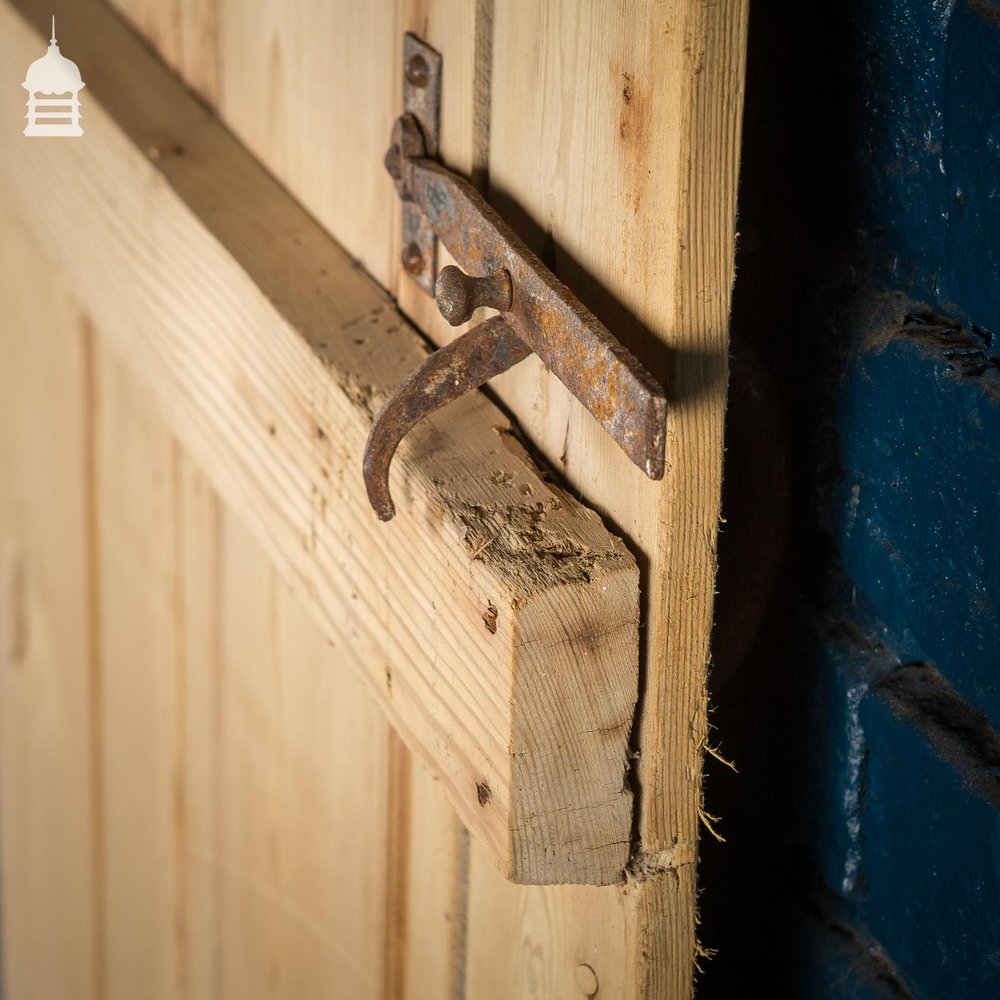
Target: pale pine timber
x=204 y=841
x=268 y=352
x=50 y=782
x=167 y=797
x=610 y=138
x=615 y=147
x=186 y=34
x=643 y=192
x=222 y=704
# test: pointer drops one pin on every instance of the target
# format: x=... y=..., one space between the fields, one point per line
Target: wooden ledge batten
x=496 y=619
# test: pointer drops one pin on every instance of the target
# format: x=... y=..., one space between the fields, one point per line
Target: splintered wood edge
x=495 y=620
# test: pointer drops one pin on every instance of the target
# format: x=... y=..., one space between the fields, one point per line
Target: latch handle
x=538 y=310
x=487 y=350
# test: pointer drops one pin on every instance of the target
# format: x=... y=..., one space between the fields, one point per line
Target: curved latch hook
x=465 y=364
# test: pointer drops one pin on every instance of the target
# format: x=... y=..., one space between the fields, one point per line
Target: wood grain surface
x=607 y=134
x=269 y=351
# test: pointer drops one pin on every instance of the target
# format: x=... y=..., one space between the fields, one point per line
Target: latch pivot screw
x=417 y=71
x=413 y=259
x=459 y=295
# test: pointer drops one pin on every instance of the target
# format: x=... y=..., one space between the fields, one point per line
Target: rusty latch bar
x=539 y=314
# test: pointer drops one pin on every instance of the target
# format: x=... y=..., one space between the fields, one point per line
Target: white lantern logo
x=54 y=77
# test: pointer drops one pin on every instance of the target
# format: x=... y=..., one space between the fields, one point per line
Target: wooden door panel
x=270 y=351
x=607 y=136
x=198 y=798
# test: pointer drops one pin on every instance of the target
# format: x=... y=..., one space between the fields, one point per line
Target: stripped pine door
x=199 y=798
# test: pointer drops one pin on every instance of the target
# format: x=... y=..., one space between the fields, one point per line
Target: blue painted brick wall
x=863 y=830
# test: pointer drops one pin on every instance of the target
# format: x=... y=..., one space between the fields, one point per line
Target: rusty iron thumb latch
x=537 y=312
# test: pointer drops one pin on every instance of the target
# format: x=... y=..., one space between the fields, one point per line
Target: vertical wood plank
x=199 y=790
x=300 y=853
x=694 y=324
x=545 y=942
x=311 y=88
x=246 y=792
x=398 y=862
x=613 y=151
x=185 y=33
x=141 y=665
x=49 y=831
x=435 y=894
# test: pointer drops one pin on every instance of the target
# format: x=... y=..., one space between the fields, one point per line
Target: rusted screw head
x=417 y=71
x=413 y=259
x=459 y=295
